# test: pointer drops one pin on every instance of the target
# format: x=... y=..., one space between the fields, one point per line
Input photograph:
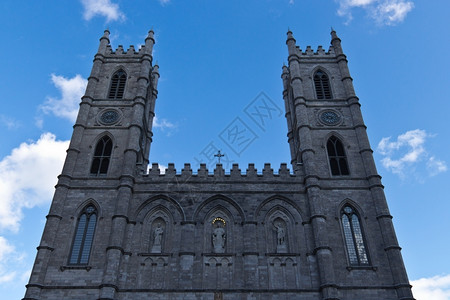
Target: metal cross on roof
x=219 y=155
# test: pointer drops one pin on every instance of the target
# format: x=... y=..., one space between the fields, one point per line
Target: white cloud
x=72 y=89
x=27 y=177
x=10 y=263
x=435 y=288
x=384 y=12
x=10 y=123
x=409 y=148
x=164 y=2
x=6 y=251
x=102 y=8
x=436 y=166
x=392 y=12
x=162 y=124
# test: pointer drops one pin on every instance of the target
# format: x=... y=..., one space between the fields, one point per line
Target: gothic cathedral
x=118 y=230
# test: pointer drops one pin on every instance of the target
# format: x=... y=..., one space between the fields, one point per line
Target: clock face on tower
x=329 y=117
x=109 y=117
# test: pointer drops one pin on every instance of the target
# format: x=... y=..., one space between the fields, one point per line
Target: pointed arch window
x=84 y=235
x=117 y=87
x=337 y=157
x=353 y=236
x=322 y=85
x=102 y=156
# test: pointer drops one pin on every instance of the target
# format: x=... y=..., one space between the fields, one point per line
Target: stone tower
x=116 y=231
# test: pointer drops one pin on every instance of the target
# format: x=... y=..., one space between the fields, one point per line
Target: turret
x=104 y=42
x=149 y=42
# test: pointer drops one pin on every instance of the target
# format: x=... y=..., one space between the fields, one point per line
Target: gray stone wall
x=219 y=234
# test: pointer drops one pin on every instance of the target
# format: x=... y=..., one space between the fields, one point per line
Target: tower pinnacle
x=104 y=41
x=149 y=41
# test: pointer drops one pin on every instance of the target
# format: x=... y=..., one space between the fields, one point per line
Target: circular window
x=329 y=117
x=109 y=117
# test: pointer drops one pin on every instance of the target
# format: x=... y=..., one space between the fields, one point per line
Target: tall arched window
x=117 y=88
x=354 y=239
x=322 y=85
x=102 y=156
x=84 y=235
x=337 y=157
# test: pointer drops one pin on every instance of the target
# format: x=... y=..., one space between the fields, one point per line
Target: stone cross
x=219 y=155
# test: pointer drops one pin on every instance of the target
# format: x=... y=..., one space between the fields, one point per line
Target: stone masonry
x=220 y=234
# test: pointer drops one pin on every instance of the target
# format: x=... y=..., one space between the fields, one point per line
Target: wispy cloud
x=164 y=2
x=27 y=177
x=164 y=125
x=9 y=122
x=384 y=12
x=6 y=251
x=436 y=288
x=436 y=166
x=103 y=8
x=408 y=151
x=71 y=91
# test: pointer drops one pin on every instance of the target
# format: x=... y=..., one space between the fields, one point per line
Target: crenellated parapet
x=120 y=51
x=319 y=52
x=105 y=49
x=235 y=172
x=296 y=51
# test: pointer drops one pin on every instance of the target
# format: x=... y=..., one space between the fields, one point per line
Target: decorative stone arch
x=354 y=204
x=278 y=211
x=279 y=228
x=117 y=68
x=170 y=204
x=85 y=203
x=320 y=68
x=158 y=210
x=336 y=134
x=219 y=230
x=281 y=200
x=208 y=204
x=157 y=231
x=152 y=272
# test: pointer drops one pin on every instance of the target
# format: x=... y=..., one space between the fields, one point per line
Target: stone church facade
x=319 y=231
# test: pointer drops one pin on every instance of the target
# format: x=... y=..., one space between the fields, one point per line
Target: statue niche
x=280 y=229
x=218 y=235
x=158 y=231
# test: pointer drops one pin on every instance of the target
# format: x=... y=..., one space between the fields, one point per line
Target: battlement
x=129 y=52
x=235 y=172
x=319 y=52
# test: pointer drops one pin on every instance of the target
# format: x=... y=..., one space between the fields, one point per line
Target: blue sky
x=215 y=58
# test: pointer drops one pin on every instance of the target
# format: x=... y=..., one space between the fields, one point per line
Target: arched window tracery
x=84 y=236
x=117 y=87
x=102 y=156
x=353 y=236
x=337 y=157
x=322 y=85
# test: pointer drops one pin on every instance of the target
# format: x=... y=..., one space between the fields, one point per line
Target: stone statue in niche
x=157 y=238
x=280 y=236
x=219 y=235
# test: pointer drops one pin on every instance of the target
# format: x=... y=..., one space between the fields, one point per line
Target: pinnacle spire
x=333 y=35
x=104 y=41
x=289 y=34
x=150 y=41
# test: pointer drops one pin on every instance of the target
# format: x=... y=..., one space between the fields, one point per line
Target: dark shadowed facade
x=321 y=230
